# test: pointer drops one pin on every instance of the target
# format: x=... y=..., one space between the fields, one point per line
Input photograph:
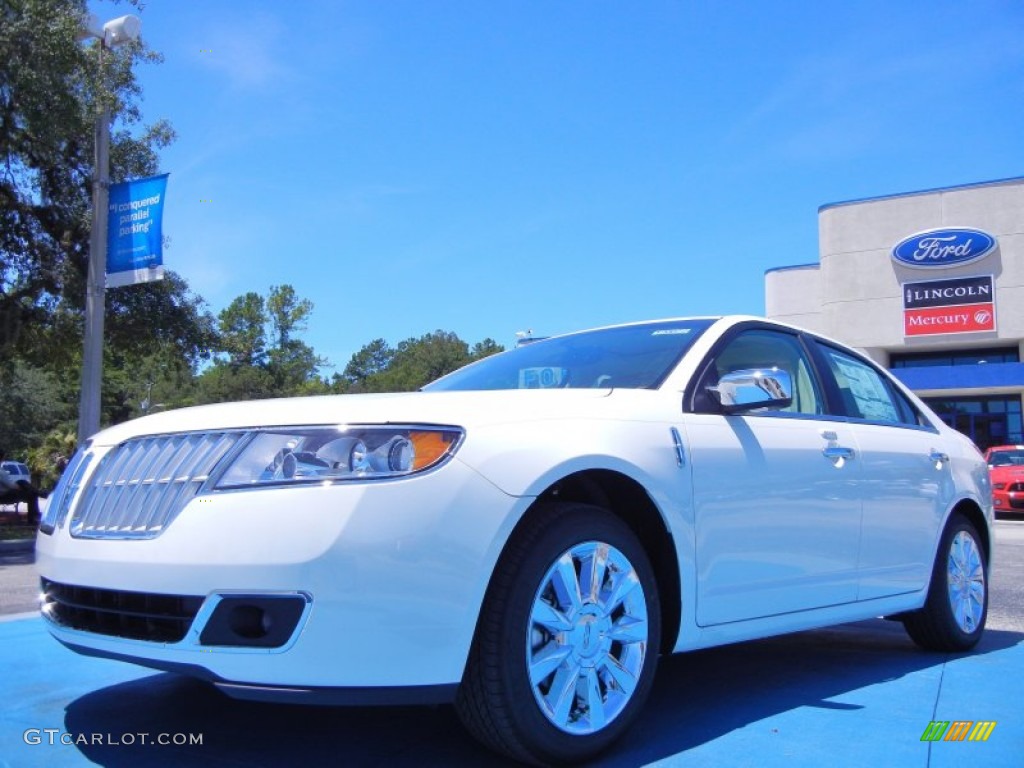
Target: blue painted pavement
x=857 y=695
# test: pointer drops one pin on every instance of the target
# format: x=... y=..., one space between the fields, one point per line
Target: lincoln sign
x=956 y=305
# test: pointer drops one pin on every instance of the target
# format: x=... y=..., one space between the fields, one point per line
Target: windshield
x=1006 y=458
x=632 y=357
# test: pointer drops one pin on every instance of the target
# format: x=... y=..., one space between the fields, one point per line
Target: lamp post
x=111 y=34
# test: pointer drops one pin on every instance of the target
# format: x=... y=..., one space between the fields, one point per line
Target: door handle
x=837 y=453
x=939 y=458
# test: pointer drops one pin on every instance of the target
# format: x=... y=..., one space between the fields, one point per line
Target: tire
x=550 y=678
x=953 y=616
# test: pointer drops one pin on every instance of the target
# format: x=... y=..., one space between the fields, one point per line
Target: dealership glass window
x=955 y=357
x=987 y=421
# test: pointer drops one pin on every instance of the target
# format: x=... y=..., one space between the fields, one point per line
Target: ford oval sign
x=943 y=248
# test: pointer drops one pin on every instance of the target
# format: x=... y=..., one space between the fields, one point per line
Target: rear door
x=908 y=485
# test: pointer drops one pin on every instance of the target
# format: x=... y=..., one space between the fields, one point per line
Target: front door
x=777 y=506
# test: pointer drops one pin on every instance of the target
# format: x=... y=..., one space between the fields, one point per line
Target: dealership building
x=930 y=285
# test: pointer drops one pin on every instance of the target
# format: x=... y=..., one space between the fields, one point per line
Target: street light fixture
x=115 y=32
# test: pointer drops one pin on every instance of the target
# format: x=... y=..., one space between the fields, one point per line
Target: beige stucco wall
x=793 y=295
x=857 y=285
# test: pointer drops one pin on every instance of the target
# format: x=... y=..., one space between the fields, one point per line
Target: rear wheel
x=953 y=617
x=568 y=638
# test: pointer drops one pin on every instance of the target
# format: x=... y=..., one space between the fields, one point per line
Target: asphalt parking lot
x=855 y=695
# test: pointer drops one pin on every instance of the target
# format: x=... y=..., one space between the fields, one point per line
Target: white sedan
x=525 y=536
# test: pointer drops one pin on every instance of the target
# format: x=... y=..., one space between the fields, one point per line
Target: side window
x=756 y=349
x=865 y=392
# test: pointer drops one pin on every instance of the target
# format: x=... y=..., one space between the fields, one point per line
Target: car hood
x=464 y=409
x=1006 y=474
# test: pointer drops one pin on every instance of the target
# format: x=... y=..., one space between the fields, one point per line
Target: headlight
x=67 y=487
x=328 y=454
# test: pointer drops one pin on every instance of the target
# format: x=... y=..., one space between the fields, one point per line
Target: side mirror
x=753 y=388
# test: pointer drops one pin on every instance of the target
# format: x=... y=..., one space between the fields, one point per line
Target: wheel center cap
x=589 y=635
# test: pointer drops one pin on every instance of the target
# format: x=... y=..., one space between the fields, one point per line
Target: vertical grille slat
x=153 y=484
x=188 y=454
x=142 y=484
x=182 y=452
x=203 y=455
x=96 y=485
x=130 y=503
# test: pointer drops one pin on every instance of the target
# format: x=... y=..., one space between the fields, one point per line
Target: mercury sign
x=957 y=305
x=943 y=248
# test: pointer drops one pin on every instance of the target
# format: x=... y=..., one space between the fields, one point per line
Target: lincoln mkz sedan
x=527 y=535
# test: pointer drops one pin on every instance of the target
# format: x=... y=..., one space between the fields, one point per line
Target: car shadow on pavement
x=245 y=733
x=698 y=697
x=703 y=695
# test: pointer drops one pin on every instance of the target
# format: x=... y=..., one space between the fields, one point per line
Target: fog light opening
x=249 y=621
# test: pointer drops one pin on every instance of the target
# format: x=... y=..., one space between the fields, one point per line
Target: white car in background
x=528 y=534
x=18 y=470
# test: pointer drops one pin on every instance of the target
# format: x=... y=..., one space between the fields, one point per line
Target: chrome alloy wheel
x=965 y=577
x=587 y=638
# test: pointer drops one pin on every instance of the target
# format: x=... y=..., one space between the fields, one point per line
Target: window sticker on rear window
x=867 y=389
x=670 y=332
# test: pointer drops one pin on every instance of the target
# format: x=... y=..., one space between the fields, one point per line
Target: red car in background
x=1006 y=469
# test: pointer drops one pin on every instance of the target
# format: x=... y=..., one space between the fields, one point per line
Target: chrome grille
x=142 y=484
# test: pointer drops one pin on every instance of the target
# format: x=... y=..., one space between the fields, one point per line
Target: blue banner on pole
x=135 y=231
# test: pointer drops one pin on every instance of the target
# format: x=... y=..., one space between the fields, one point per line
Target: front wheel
x=953 y=616
x=567 y=641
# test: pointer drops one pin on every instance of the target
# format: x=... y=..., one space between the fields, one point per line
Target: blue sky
x=488 y=166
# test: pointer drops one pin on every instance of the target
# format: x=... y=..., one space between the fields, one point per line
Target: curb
x=17 y=545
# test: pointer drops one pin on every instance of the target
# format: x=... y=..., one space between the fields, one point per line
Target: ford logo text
x=943 y=248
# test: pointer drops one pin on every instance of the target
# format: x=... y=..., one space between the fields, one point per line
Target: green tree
x=292 y=363
x=224 y=382
x=43 y=140
x=288 y=313
x=50 y=457
x=413 y=363
x=248 y=368
x=50 y=87
x=293 y=366
x=242 y=327
x=485 y=348
x=156 y=333
x=369 y=361
x=31 y=404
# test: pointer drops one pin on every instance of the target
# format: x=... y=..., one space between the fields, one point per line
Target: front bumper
x=390 y=576
x=1008 y=501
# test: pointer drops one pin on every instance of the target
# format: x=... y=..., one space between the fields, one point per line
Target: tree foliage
x=288 y=313
x=242 y=327
x=413 y=363
x=246 y=367
x=51 y=85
